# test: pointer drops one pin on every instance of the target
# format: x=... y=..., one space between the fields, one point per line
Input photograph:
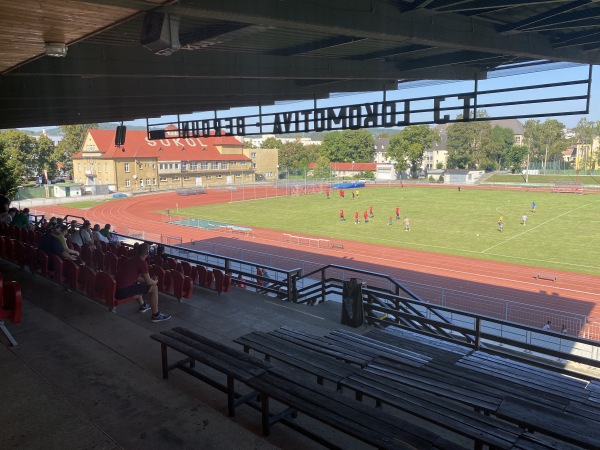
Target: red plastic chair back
x=210 y=278
x=202 y=276
x=218 y=280
x=105 y=288
x=56 y=263
x=98 y=259
x=111 y=261
x=71 y=274
x=12 y=302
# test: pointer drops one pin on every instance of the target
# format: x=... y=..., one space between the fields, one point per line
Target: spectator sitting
x=9 y=217
x=21 y=220
x=133 y=279
x=83 y=235
x=61 y=237
x=51 y=245
x=98 y=236
x=108 y=234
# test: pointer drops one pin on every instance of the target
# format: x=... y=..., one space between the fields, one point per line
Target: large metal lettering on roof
x=543 y=100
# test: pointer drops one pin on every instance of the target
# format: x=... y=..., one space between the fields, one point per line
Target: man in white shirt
x=98 y=237
x=83 y=236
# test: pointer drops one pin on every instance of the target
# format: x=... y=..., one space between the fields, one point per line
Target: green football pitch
x=563 y=233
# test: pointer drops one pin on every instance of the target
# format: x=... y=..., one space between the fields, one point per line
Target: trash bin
x=353 y=313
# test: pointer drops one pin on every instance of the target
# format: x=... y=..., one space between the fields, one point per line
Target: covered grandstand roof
x=131 y=59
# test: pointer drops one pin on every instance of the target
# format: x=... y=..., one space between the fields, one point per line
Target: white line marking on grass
x=537 y=226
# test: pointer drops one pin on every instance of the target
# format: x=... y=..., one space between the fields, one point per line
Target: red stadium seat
x=182 y=285
x=201 y=275
x=71 y=274
x=11 y=306
x=218 y=280
x=87 y=281
x=111 y=261
x=56 y=264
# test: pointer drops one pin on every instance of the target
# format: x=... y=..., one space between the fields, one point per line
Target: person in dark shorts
x=133 y=280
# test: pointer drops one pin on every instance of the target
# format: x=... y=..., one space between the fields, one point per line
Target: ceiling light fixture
x=55 y=49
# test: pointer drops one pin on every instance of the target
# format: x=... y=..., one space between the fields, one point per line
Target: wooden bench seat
x=526 y=375
x=322 y=366
x=375 y=348
x=481 y=428
x=236 y=365
x=572 y=428
x=321 y=345
x=332 y=408
x=297 y=394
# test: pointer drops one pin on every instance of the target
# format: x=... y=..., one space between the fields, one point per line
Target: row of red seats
x=200 y=275
x=20 y=234
x=11 y=306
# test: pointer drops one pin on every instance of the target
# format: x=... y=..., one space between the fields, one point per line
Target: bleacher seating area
x=94 y=276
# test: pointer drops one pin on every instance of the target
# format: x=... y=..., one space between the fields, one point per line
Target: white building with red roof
x=160 y=164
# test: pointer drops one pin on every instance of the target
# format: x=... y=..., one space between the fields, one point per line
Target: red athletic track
x=572 y=292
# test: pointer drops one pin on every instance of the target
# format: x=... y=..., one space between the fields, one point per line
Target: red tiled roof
x=138 y=146
x=349 y=166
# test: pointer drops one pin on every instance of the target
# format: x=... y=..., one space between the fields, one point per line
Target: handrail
x=285 y=288
x=397 y=286
x=500 y=336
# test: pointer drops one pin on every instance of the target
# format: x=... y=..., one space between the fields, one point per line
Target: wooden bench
x=324 y=367
x=546 y=276
x=457 y=418
x=236 y=365
x=332 y=408
x=336 y=245
x=293 y=390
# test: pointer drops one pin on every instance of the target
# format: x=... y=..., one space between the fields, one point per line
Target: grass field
x=562 y=233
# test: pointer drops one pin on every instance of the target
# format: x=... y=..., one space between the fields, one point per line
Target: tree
x=501 y=142
x=553 y=140
x=348 y=146
x=533 y=138
x=9 y=177
x=322 y=168
x=585 y=132
x=515 y=157
x=468 y=142
x=408 y=147
x=71 y=143
x=17 y=149
x=292 y=155
x=42 y=158
x=272 y=142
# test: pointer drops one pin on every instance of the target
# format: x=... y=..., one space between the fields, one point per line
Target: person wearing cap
x=51 y=245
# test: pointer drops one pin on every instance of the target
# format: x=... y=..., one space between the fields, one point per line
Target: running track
x=572 y=292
